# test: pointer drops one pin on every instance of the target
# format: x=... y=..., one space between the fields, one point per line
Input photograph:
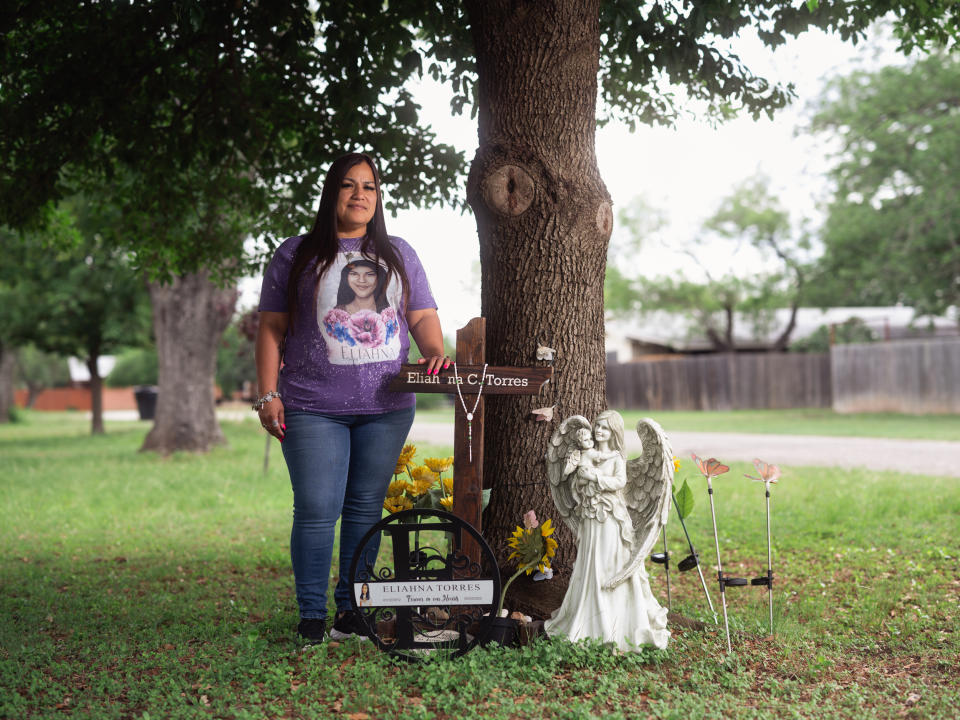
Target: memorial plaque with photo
x=417 y=591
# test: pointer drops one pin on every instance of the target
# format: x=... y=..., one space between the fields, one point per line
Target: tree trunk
x=96 y=395
x=544 y=220
x=7 y=363
x=781 y=343
x=189 y=317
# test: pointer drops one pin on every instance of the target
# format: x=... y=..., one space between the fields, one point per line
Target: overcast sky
x=685 y=171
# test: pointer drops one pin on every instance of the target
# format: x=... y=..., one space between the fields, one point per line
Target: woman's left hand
x=435 y=363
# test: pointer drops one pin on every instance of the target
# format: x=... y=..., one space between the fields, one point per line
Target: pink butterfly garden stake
x=768 y=475
x=710 y=469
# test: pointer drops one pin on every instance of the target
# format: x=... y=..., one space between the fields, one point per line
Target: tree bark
x=189 y=317
x=96 y=395
x=544 y=220
x=7 y=363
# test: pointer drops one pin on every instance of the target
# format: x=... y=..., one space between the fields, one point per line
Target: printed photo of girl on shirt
x=358 y=310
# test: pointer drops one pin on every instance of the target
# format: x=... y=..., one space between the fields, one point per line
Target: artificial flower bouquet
x=420 y=486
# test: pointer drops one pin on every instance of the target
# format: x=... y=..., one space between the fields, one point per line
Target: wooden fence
x=722 y=382
x=910 y=376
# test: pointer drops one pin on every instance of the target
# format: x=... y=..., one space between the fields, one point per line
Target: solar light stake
x=716 y=541
x=666 y=566
x=696 y=557
x=769 y=562
x=768 y=474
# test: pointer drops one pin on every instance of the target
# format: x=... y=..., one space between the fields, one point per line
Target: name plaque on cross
x=470 y=378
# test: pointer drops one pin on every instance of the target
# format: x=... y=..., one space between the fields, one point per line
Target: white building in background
x=79 y=372
x=666 y=333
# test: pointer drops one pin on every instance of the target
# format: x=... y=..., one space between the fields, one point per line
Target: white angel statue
x=616 y=510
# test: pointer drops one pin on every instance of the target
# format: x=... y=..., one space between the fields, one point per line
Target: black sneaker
x=348 y=624
x=312 y=631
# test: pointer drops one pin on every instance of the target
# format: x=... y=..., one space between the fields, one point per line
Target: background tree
x=753 y=214
x=76 y=298
x=892 y=233
x=38 y=370
x=7 y=366
x=716 y=299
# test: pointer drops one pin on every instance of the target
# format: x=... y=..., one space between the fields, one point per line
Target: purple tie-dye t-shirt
x=339 y=359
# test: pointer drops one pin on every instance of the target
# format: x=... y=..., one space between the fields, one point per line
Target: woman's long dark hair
x=319 y=247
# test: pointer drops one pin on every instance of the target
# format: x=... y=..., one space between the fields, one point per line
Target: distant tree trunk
x=96 y=394
x=544 y=220
x=7 y=363
x=781 y=343
x=724 y=343
x=189 y=317
x=33 y=392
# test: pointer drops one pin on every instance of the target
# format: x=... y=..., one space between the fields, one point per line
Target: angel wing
x=647 y=495
x=562 y=456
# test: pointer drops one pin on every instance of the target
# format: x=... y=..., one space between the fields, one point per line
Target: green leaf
x=486 y=499
x=812 y=5
x=684 y=501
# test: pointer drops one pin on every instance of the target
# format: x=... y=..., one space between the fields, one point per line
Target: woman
x=341 y=430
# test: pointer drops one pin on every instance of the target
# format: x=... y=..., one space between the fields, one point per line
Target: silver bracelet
x=258 y=405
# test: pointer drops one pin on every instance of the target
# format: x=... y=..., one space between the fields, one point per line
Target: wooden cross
x=471 y=355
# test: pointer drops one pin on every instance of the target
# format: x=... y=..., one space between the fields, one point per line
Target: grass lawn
x=133 y=586
x=801 y=421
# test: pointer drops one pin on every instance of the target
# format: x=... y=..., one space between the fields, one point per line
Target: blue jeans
x=340 y=467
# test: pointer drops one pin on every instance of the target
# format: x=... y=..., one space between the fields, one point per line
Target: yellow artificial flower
x=420 y=487
x=397 y=488
x=447 y=502
x=448 y=485
x=676 y=464
x=423 y=480
x=396 y=504
x=406 y=456
x=422 y=472
x=533 y=548
x=439 y=465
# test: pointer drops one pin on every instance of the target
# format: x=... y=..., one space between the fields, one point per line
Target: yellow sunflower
x=448 y=485
x=447 y=502
x=534 y=547
x=397 y=488
x=439 y=465
x=396 y=504
x=406 y=457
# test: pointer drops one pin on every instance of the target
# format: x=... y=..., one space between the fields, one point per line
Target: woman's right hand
x=271 y=417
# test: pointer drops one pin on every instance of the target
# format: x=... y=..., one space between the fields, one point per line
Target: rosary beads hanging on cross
x=456 y=378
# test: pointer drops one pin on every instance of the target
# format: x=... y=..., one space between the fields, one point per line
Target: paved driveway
x=925 y=457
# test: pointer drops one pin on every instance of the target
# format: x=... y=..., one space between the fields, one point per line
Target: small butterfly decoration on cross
x=544 y=414
x=545 y=353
